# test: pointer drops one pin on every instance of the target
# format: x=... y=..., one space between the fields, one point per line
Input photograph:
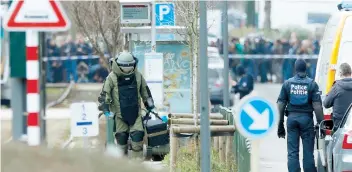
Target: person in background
x=58 y=72
x=246 y=83
x=298 y=98
x=82 y=70
x=285 y=46
x=288 y=63
x=53 y=49
x=101 y=73
x=249 y=63
x=340 y=96
x=316 y=47
x=307 y=49
x=83 y=48
x=277 y=49
x=69 y=49
x=54 y=66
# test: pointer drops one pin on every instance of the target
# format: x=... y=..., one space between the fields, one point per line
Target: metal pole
x=226 y=89
x=153 y=27
x=24 y=109
x=42 y=80
x=33 y=88
x=17 y=97
x=255 y=155
x=204 y=95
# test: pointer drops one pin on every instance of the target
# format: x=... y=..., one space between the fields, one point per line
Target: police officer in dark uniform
x=298 y=98
x=245 y=84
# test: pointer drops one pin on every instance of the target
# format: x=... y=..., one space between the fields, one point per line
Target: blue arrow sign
x=256 y=117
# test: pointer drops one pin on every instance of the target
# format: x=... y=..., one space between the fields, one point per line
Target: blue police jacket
x=299 y=93
x=244 y=86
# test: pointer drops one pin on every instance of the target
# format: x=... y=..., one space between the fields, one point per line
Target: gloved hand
x=320 y=130
x=150 y=108
x=107 y=113
x=150 y=104
x=281 y=132
x=234 y=89
x=316 y=126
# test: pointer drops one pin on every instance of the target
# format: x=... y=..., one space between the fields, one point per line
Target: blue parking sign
x=255 y=117
x=165 y=14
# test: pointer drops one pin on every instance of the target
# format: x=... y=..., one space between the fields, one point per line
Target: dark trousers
x=300 y=126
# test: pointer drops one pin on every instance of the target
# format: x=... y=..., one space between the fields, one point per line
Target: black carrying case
x=157 y=132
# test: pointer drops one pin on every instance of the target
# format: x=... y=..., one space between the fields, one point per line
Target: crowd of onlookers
x=80 y=70
x=264 y=69
x=269 y=68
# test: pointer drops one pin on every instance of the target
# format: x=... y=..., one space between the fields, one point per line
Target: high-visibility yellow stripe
x=335 y=53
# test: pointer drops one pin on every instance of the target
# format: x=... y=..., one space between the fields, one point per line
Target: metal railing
x=241 y=145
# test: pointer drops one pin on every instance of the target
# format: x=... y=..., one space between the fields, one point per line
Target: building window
x=318 y=18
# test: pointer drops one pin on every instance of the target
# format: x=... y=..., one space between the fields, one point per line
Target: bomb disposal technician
x=298 y=98
x=123 y=89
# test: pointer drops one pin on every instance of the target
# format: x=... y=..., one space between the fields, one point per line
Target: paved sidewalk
x=58 y=123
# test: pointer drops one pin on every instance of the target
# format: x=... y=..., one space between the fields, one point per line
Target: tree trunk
x=267 y=20
x=250 y=11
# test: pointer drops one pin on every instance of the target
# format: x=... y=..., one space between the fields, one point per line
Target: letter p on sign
x=165 y=14
x=164 y=9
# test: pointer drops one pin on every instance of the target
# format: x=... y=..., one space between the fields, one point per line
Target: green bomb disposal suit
x=124 y=88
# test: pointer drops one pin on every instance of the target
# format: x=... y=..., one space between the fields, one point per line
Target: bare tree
x=189 y=18
x=99 y=22
x=267 y=20
x=187 y=15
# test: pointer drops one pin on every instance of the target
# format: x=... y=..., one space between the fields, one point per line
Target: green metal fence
x=241 y=144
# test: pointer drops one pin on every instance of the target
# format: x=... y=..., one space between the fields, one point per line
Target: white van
x=336 y=48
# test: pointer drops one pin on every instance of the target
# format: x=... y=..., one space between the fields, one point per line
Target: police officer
x=245 y=84
x=123 y=90
x=298 y=98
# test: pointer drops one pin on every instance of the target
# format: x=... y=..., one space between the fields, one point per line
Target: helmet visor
x=125 y=64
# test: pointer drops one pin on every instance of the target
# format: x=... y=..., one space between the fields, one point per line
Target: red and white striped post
x=33 y=96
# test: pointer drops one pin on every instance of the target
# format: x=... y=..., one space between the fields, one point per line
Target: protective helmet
x=126 y=62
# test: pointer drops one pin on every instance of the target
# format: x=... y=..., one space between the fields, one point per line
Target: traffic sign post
x=33 y=16
x=84 y=120
x=254 y=119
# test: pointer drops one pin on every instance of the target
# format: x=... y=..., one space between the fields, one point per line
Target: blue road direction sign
x=255 y=117
x=165 y=14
